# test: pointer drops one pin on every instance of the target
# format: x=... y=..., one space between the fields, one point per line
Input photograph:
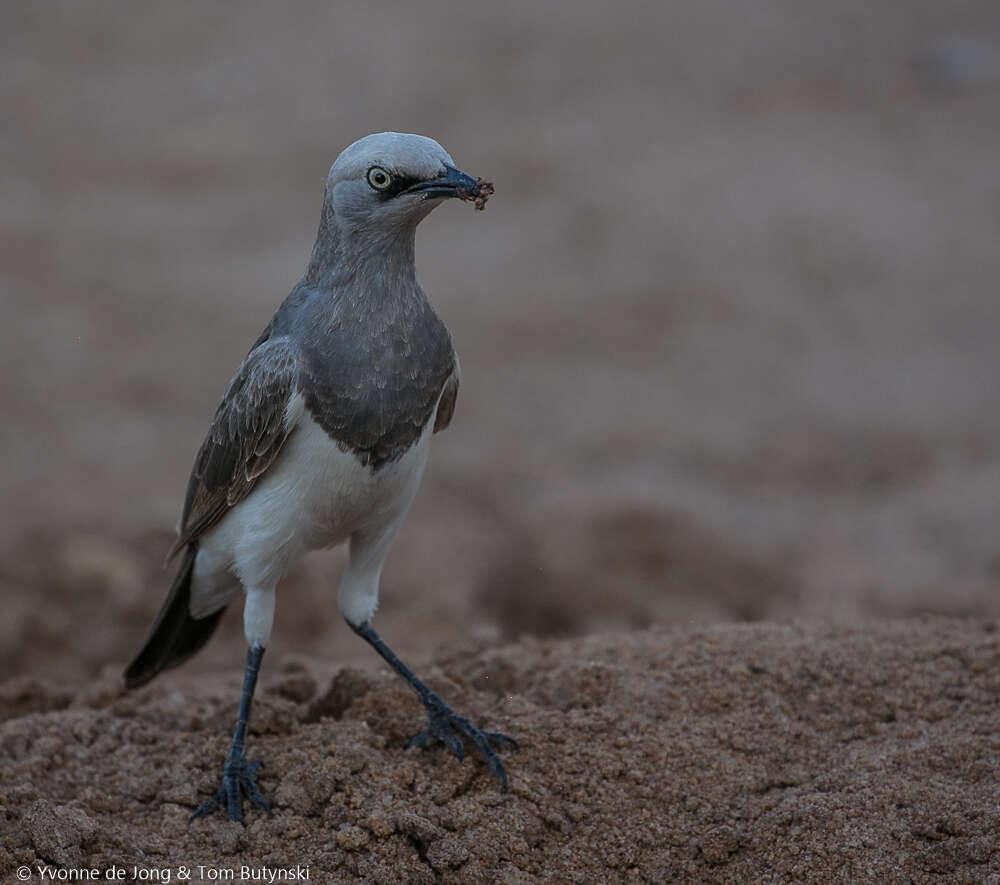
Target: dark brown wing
x=246 y=436
x=446 y=405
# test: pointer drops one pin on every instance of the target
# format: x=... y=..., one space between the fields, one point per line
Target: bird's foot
x=239 y=779
x=446 y=726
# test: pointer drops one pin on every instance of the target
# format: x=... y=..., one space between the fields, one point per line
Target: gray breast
x=373 y=373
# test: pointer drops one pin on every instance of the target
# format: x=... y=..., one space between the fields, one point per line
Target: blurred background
x=730 y=328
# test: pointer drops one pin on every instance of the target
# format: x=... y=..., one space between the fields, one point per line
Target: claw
x=239 y=779
x=422 y=740
x=454 y=743
x=499 y=741
x=446 y=726
x=443 y=724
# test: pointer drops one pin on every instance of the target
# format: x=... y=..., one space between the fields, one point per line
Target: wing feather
x=248 y=431
x=449 y=395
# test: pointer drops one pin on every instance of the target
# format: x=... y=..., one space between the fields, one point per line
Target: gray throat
x=374 y=355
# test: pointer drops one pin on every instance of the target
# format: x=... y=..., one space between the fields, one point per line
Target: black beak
x=454 y=183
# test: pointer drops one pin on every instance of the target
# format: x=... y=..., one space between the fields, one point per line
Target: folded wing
x=248 y=431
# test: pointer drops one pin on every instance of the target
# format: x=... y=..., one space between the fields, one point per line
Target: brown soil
x=729 y=346
x=727 y=754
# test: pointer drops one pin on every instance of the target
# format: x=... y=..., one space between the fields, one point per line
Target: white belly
x=315 y=495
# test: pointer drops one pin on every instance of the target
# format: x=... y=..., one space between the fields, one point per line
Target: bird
x=321 y=439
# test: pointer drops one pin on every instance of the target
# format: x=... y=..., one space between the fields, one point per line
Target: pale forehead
x=415 y=155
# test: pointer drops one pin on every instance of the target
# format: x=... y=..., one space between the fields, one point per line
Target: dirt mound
x=756 y=753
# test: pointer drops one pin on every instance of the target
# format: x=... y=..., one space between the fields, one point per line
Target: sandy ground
x=729 y=336
x=729 y=754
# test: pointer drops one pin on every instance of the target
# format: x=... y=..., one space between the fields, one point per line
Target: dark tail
x=175 y=635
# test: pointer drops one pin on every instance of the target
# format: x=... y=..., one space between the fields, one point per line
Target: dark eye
x=378 y=178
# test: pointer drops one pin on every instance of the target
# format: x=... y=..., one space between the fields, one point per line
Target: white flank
x=314 y=496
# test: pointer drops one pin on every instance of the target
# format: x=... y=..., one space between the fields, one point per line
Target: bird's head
x=391 y=181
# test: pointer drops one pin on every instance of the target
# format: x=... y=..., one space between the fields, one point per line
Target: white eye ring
x=378 y=178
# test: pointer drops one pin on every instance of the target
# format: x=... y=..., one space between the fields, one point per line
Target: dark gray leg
x=443 y=724
x=239 y=777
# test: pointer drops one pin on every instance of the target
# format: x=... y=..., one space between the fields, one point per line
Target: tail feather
x=175 y=636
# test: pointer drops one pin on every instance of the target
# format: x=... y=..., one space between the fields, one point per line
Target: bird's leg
x=443 y=724
x=239 y=777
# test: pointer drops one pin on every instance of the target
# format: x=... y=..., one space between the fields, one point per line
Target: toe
x=422 y=740
x=257 y=798
x=501 y=741
x=233 y=803
x=203 y=809
x=449 y=728
x=496 y=766
x=454 y=743
x=238 y=783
